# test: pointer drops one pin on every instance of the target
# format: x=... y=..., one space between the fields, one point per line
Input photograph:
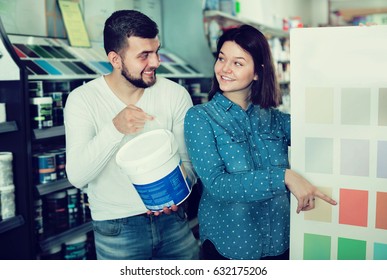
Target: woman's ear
x=255 y=77
x=114 y=59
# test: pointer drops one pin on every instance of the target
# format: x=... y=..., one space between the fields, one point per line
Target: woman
x=238 y=143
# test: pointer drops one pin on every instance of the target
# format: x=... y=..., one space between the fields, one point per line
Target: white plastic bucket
x=153 y=165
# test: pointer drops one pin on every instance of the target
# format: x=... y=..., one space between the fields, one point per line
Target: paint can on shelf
x=38 y=217
x=6 y=172
x=41 y=112
x=7 y=202
x=76 y=248
x=44 y=167
x=60 y=162
x=35 y=88
x=55 y=212
x=73 y=207
x=3 y=114
x=85 y=206
x=57 y=107
x=53 y=253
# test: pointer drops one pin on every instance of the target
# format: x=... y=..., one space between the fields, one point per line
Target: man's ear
x=115 y=60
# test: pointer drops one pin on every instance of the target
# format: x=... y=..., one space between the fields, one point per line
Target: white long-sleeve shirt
x=92 y=142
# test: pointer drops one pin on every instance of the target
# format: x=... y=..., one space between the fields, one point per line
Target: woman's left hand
x=304 y=191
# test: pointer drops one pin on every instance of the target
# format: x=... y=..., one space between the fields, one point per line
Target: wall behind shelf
x=183 y=30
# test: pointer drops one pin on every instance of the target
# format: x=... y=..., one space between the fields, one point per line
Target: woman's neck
x=240 y=98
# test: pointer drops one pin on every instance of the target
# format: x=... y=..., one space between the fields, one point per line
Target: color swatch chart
x=54 y=58
x=339 y=141
x=51 y=58
x=173 y=66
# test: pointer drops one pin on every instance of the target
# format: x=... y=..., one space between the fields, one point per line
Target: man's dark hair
x=126 y=23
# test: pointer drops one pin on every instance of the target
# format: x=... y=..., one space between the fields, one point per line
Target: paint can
x=41 y=112
x=53 y=253
x=6 y=172
x=3 y=114
x=73 y=207
x=85 y=206
x=60 y=162
x=35 y=88
x=38 y=217
x=152 y=163
x=45 y=168
x=7 y=202
x=55 y=212
x=57 y=107
x=76 y=248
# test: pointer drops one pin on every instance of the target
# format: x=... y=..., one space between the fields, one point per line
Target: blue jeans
x=143 y=237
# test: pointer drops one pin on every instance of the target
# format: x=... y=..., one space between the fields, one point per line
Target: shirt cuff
x=277 y=181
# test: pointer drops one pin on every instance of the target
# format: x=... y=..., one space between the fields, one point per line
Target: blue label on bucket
x=170 y=190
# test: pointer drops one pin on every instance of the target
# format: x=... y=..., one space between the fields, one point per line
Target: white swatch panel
x=339 y=141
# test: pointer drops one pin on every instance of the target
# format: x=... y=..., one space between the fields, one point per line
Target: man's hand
x=131 y=119
x=165 y=210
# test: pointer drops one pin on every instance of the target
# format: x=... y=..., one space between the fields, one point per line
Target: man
x=100 y=117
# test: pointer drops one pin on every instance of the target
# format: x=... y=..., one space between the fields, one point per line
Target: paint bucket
x=55 y=213
x=73 y=205
x=6 y=169
x=7 y=202
x=45 y=168
x=60 y=163
x=53 y=253
x=153 y=165
x=41 y=112
x=76 y=248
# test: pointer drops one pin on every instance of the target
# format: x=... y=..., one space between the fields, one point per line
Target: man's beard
x=137 y=82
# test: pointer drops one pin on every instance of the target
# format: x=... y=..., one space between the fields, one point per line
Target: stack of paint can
x=47 y=102
x=7 y=188
x=41 y=112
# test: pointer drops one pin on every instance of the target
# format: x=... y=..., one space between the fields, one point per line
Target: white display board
x=9 y=71
x=339 y=140
x=24 y=16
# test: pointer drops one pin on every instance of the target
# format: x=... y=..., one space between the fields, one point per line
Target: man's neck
x=124 y=90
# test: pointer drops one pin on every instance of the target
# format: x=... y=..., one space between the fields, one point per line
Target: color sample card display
x=339 y=141
x=47 y=57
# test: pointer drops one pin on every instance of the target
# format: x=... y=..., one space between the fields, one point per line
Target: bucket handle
x=170 y=142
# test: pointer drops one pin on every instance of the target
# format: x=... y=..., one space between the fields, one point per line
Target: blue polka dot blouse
x=241 y=157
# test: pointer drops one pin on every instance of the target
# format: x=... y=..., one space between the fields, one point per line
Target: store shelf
x=225 y=19
x=58 y=185
x=8 y=127
x=11 y=223
x=61 y=238
x=45 y=133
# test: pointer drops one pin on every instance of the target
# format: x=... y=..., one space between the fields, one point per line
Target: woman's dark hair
x=264 y=91
x=126 y=23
